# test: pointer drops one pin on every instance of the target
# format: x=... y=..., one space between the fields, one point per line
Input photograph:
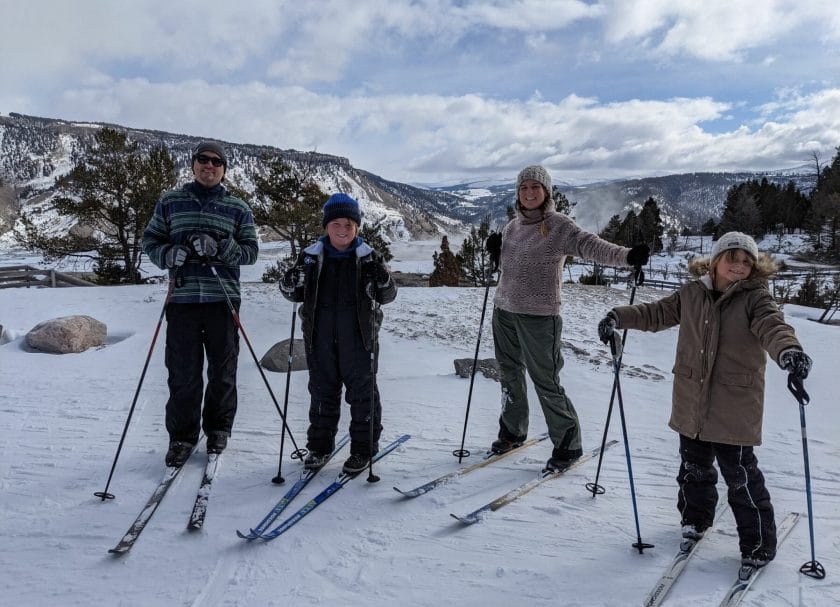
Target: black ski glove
x=607 y=327
x=293 y=279
x=376 y=272
x=175 y=256
x=638 y=255
x=204 y=245
x=493 y=244
x=796 y=362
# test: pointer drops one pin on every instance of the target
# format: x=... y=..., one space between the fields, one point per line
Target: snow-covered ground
x=61 y=418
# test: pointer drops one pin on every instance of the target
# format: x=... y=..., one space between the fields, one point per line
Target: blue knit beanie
x=341 y=206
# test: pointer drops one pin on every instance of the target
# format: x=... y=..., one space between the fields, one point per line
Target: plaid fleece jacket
x=180 y=213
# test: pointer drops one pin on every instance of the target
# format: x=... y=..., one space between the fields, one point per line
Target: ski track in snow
x=62 y=417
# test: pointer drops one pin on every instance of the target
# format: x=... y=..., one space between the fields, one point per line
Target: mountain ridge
x=35 y=151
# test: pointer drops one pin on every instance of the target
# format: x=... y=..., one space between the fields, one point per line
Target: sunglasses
x=202 y=159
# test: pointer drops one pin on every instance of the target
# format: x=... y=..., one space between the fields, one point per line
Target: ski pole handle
x=797 y=388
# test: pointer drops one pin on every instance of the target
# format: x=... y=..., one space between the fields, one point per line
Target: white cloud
x=717 y=30
x=426 y=89
x=427 y=137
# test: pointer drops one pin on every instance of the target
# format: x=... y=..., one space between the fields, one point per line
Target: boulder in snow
x=67 y=334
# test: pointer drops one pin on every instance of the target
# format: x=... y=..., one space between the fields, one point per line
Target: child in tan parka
x=727 y=319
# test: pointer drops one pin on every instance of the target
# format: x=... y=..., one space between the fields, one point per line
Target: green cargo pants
x=524 y=341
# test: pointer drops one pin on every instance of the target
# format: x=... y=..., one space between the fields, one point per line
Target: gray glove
x=204 y=245
x=175 y=256
x=607 y=327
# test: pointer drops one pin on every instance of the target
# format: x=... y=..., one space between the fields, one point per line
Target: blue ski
x=294 y=490
x=319 y=499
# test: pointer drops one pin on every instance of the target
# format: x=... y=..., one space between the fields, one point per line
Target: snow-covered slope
x=62 y=417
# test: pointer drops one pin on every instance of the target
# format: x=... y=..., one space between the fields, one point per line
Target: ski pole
x=595 y=488
x=104 y=495
x=617 y=350
x=812 y=568
x=279 y=480
x=297 y=453
x=462 y=453
x=372 y=478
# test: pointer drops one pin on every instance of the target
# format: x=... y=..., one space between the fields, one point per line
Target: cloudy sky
x=431 y=91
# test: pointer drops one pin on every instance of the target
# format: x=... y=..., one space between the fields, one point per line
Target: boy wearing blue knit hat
x=341 y=282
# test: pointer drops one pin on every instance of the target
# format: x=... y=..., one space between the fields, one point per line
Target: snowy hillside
x=62 y=417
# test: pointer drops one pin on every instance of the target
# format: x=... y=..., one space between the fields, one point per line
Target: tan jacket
x=718 y=393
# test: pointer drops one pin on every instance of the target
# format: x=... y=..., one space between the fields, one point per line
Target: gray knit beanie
x=735 y=240
x=210 y=146
x=537 y=173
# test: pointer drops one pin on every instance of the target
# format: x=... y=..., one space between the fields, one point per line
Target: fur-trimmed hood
x=765 y=267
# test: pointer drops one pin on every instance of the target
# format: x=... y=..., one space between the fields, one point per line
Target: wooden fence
x=27 y=276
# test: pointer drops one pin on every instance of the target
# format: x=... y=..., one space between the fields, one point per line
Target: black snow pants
x=338 y=357
x=747 y=494
x=191 y=331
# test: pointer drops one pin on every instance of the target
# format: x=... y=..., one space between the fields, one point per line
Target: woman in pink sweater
x=530 y=253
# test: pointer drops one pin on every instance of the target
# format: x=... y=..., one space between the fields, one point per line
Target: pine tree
x=561 y=203
x=290 y=203
x=826 y=206
x=740 y=212
x=371 y=233
x=447 y=271
x=473 y=258
x=650 y=226
x=629 y=233
x=610 y=232
x=111 y=193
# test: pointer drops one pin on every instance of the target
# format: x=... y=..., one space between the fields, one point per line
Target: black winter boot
x=355 y=463
x=506 y=441
x=216 y=442
x=179 y=452
x=562 y=458
x=315 y=460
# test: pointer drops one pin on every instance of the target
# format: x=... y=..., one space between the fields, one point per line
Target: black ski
x=488 y=458
x=513 y=494
x=128 y=540
x=203 y=496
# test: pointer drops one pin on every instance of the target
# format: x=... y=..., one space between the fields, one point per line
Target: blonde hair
x=764 y=267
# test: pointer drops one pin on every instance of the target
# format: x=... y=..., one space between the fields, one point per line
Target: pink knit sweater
x=532 y=263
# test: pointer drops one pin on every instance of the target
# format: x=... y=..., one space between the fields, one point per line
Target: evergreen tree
x=650 y=226
x=826 y=207
x=561 y=203
x=447 y=271
x=708 y=228
x=290 y=203
x=371 y=233
x=740 y=212
x=629 y=233
x=473 y=258
x=794 y=208
x=111 y=193
x=610 y=232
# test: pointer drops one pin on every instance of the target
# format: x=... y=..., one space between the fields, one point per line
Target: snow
x=62 y=417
